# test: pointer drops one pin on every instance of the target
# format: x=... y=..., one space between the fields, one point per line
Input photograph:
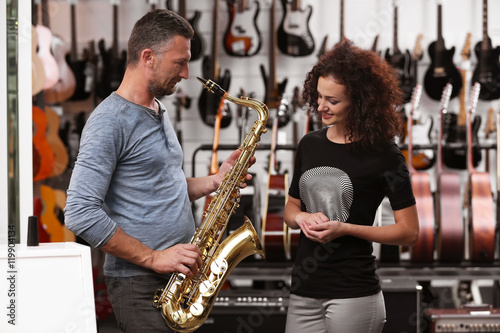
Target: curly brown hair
x=372 y=87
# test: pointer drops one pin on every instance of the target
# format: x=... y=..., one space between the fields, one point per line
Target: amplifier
x=466 y=319
x=247 y=311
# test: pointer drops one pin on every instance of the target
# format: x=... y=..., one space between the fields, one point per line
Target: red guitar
x=423 y=251
x=481 y=218
x=242 y=37
x=448 y=207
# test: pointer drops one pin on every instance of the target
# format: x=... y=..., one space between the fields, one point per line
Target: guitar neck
x=215 y=42
x=395 y=33
x=182 y=8
x=45 y=14
x=74 y=51
x=462 y=114
x=440 y=40
x=472 y=109
x=485 y=42
x=342 y=36
x=272 y=84
x=114 y=48
x=214 y=164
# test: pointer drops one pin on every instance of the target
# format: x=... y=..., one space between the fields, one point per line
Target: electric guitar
x=208 y=103
x=197 y=42
x=448 y=207
x=487 y=71
x=400 y=61
x=455 y=129
x=479 y=200
x=242 y=37
x=423 y=251
x=274 y=94
x=181 y=101
x=113 y=61
x=442 y=70
x=294 y=36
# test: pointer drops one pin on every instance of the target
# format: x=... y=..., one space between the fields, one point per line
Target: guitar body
x=66 y=85
x=44 y=54
x=450 y=241
x=43 y=147
x=208 y=103
x=113 y=69
x=49 y=219
x=457 y=158
x=274 y=230
x=487 y=71
x=37 y=70
x=481 y=219
x=197 y=43
x=242 y=37
x=423 y=251
x=294 y=37
x=57 y=146
x=273 y=99
x=43 y=236
x=441 y=71
x=403 y=64
x=78 y=67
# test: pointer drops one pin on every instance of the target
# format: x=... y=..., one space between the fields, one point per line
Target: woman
x=341 y=174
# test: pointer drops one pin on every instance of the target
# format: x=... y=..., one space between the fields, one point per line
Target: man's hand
x=183 y=258
x=228 y=163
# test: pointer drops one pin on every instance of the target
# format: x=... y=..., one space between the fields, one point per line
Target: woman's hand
x=319 y=228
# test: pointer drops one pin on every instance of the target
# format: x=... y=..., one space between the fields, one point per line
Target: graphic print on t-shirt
x=327 y=190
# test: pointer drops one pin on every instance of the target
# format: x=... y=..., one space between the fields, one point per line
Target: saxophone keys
x=218 y=266
x=207 y=288
x=196 y=309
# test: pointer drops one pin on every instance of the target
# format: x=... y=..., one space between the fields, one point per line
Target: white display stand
x=50 y=286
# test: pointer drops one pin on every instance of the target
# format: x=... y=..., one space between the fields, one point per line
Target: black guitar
x=208 y=103
x=274 y=91
x=294 y=36
x=487 y=71
x=113 y=61
x=197 y=43
x=402 y=62
x=442 y=70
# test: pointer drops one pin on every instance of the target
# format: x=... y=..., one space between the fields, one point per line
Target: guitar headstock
x=445 y=98
x=417 y=50
x=466 y=49
x=415 y=99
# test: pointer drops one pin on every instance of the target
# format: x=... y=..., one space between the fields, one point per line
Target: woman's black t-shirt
x=346 y=186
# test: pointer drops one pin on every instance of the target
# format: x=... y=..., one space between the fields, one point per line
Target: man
x=128 y=194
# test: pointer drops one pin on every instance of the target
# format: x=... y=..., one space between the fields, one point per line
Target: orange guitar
x=42 y=146
x=481 y=218
x=448 y=207
x=61 y=157
x=49 y=219
x=423 y=251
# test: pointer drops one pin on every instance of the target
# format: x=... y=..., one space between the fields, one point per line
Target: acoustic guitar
x=448 y=205
x=423 y=251
x=61 y=156
x=442 y=70
x=208 y=103
x=275 y=233
x=294 y=36
x=479 y=200
x=455 y=129
x=487 y=71
x=113 y=61
x=401 y=62
x=42 y=145
x=49 y=218
x=242 y=37
x=37 y=70
x=66 y=83
x=274 y=91
x=197 y=42
x=498 y=179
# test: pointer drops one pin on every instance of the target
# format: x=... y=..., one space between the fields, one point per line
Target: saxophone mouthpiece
x=212 y=87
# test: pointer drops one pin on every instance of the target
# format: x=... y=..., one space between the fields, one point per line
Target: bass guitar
x=423 y=251
x=479 y=200
x=448 y=207
x=455 y=129
x=197 y=42
x=442 y=70
x=113 y=61
x=294 y=37
x=274 y=94
x=400 y=61
x=242 y=37
x=487 y=71
x=208 y=103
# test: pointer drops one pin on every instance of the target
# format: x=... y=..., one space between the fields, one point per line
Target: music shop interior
x=446 y=55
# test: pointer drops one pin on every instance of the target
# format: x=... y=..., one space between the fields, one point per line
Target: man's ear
x=148 y=57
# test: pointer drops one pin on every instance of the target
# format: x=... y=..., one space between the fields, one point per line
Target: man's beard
x=159 y=91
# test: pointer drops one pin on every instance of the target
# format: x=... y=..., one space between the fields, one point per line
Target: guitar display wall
x=369 y=24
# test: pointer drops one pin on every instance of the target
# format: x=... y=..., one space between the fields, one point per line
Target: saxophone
x=186 y=302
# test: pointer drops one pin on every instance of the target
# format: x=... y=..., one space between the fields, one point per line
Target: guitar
x=37 y=70
x=294 y=37
x=208 y=103
x=423 y=251
x=498 y=178
x=242 y=37
x=61 y=157
x=43 y=236
x=479 y=200
x=197 y=43
x=274 y=91
x=66 y=83
x=487 y=71
x=448 y=207
x=113 y=62
x=402 y=62
x=424 y=159
x=275 y=233
x=49 y=219
x=181 y=101
x=47 y=159
x=442 y=70
x=455 y=129
x=44 y=50
x=81 y=68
